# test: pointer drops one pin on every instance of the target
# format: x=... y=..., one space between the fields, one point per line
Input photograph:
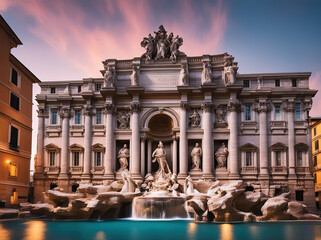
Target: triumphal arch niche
x=212 y=121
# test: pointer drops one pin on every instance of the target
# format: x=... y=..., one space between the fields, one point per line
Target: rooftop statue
x=162 y=46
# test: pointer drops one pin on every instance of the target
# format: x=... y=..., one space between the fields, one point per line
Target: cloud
x=84 y=35
x=315 y=81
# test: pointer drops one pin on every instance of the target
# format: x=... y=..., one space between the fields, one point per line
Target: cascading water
x=159 y=207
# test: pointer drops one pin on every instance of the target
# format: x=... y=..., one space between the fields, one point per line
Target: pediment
x=52 y=147
x=279 y=146
x=249 y=146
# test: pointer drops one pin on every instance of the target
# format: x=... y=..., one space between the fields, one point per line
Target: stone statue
x=230 y=69
x=134 y=77
x=206 y=73
x=196 y=157
x=221 y=156
x=163 y=173
x=129 y=183
x=162 y=46
x=149 y=44
x=176 y=43
x=195 y=119
x=183 y=75
x=123 y=120
x=123 y=156
x=109 y=77
x=189 y=187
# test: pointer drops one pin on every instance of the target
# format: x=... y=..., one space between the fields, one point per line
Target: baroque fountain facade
x=171 y=135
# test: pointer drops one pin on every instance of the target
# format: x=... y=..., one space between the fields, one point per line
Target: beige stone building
x=181 y=101
x=15 y=121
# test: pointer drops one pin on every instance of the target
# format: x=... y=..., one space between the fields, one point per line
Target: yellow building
x=316 y=157
x=15 y=121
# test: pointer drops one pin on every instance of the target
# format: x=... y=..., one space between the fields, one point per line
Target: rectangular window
x=14 y=101
x=247 y=112
x=77 y=117
x=97 y=87
x=299 y=155
x=76 y=159
x=52 y=90
x=53 y=119
x=277 y=82
x=79 y=89
x=248 y=158
x=246 y=83
x=98 y=116
x=314 y=131
x=316 y=145
x=294 y=83
x=315 y=161
x=13 y=169
x=14 y=77
x=298 y=111
x=52 y=159
x=13 y=144
x=277 y=113
x=278 y=159
x=98 y=159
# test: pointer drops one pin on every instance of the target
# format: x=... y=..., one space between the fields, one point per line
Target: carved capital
x=307 y=105
x=234 y=106
x=42 y=113
x=184 y=105
x=290 y=107
x=109 y=107
x=207 y=106
x=262 y=107
x=135 y=107
x=64 y=112
x=88 y=110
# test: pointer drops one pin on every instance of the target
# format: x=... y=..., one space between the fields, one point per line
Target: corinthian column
x=207 y=142
x=64 y=163
x=264 y=163
x=108 y=159
x=40 y=142
x=183 y=145
x=135 y=141
x=88 y=142
x=233 y=108
x=291 y=139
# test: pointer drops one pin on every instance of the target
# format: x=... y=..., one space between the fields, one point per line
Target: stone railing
x=279 y=169
x=278 y=126
x=249 y=169
x=76 y=169
x=99 y=130
x=52 y=169
x=53 y=130
x=301 y=170
x=248 y=127
x=77 y=129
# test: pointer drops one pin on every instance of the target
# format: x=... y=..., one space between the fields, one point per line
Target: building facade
x=262 y=119
x=15 y=121
x=316 y=157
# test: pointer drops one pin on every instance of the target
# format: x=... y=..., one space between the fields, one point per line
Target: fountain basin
x=159 y=207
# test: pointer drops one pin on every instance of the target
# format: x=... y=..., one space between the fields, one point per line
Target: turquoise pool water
x=154 y=230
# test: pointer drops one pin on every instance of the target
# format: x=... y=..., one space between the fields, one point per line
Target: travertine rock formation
x=227 y=202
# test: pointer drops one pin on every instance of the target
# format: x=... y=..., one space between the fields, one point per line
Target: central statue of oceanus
x=162 y=46
x=163 y=174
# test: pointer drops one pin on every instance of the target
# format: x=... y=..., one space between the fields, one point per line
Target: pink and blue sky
x=68 y=39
